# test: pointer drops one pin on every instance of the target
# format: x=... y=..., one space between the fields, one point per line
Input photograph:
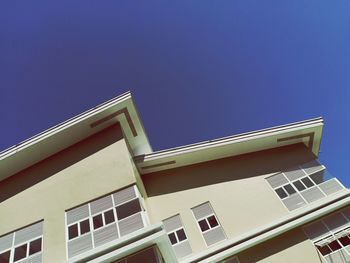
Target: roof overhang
x=308 y=132
x=119 y=109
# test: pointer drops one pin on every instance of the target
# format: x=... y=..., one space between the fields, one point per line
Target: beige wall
x=236 y=188
x=87 y=170
x=290 y=247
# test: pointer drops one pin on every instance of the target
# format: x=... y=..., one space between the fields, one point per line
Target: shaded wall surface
x=290 y=247
x=236 y=188
x=89 y=169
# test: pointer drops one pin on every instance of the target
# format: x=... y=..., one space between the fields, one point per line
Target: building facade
x=92 y=190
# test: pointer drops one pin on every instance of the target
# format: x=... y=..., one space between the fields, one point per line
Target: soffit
x=120 y=109
x=308 y=132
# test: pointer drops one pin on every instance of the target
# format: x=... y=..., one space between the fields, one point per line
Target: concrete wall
x=236 y=188
x=94 y=167
x=290 y=247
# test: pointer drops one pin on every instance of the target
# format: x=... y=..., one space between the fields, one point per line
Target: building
x=92 y=190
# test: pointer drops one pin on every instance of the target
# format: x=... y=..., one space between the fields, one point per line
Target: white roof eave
x=307 y=132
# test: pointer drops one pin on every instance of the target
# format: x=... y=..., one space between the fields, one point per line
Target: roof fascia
x=167 y=159
x=120 y=109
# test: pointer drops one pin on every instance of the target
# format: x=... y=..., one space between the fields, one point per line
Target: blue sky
x=198 y=70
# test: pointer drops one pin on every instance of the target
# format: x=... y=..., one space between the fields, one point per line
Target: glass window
x=73 y=231
x=84 y=226
x=35 y=246
x=97 y=221
x=334 y=245
x=109 y=217
x=181 y=234
x=345 y=241
x=281 y=192
x=5 y=257
x=20 y=252
x=299 y=185
x=212 y=221
x=324 y=250
x=203 y=225
x=290 y=190
x=128 y=209
x=318 y=177
x=307 y=182
x=172 y=238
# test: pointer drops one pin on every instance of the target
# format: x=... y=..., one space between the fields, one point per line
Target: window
x=208 y=224
x=79 y=229
x=331 y=236
x=104 y=219
x=177 y=236
x=303 y=184
x=5 y=256
x=128 y=209
x=293 y=187
x=25 y=243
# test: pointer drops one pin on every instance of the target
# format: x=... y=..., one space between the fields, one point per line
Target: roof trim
x=120 y=109
x=308 y=132
x=60 y=126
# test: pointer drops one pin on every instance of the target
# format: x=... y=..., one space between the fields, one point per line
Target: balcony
x=304 y=184
x=104 y=220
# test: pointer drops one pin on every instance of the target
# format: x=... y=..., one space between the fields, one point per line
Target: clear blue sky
x=198 y=69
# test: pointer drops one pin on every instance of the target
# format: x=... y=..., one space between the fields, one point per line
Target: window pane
x=172 y=238
x=35 y=246
x=20 y=252
x=181 y=234
x=307 y=182
x=318 y=177
x=299 y=185
x=84 y=226
x=97 y=221
x=290 y=190
x=5 y=257
x=345 y=241
x=203 y=225
x=109 y=217
x=281 y=193
x=212 y=221
x=334 y=245
x=128 y=209
x=73 y=231
x=325 y=250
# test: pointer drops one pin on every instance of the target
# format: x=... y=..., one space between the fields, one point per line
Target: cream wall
x=290 y=247
x=236 y=188
x=94 y=167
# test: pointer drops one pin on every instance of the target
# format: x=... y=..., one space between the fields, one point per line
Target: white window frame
x=308 y=175
x=176 y=236
x=332 y=234
x=143 y=214
x=217 y=220
x=206 y=219
x=27 y=252
x=103 y=218
x=79 y=230
x=13 y=246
